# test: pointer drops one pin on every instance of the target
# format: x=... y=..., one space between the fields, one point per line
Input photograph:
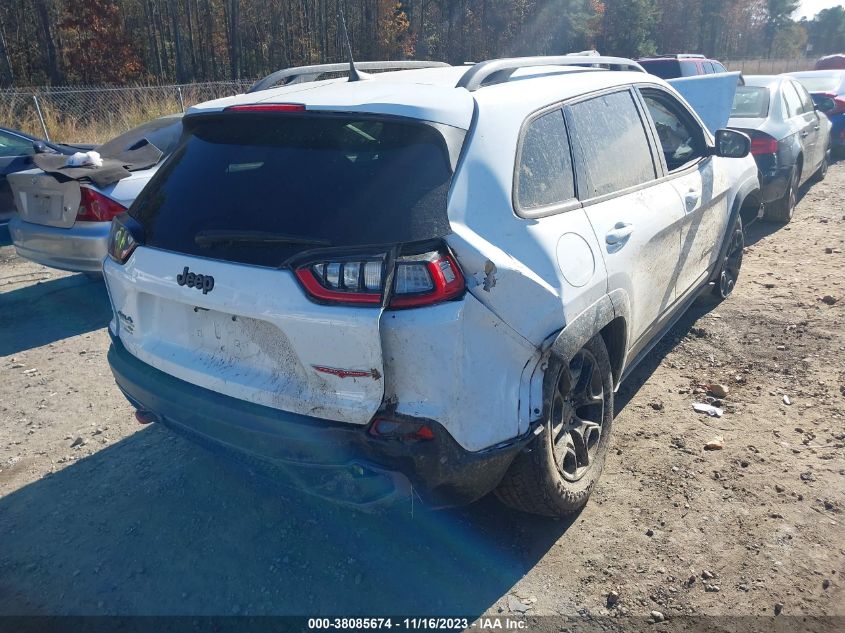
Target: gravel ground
x=99 y=515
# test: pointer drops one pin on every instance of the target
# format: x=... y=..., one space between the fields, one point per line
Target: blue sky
x=809 y=8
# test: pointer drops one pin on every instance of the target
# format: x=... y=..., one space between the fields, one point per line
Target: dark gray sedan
x=790 y=138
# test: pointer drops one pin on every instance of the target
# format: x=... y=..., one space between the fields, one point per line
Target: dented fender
x=576 y=334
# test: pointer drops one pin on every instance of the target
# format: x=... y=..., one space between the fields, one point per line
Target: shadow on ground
x=638 y=377
x=49 y=311
x=156 y=525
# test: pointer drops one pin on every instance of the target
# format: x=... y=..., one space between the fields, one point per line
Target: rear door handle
x=817 y=127
x=619 y=233
x=805 y=134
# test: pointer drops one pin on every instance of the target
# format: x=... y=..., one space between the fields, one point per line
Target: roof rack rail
x=496 y=71
x=303 y=74
x=682 y=56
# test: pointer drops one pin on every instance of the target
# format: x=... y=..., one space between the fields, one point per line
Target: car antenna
x=354 y=75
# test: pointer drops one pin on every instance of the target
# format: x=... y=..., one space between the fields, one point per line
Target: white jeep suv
x=426 y=280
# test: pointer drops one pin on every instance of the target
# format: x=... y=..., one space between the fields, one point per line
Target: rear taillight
x=351 y=281
x=122 y=242
x=425 y=279
x=763 y=144
x=95 y=207
x=418 y=280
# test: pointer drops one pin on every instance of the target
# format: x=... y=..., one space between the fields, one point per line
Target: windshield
x=828 y=82
x=329 y=180
x=750 y=102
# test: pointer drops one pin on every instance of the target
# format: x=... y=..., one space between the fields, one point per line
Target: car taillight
x=122 y=242
x=425 y=279
x=358 y=281
x=763 y=144
x=418 y=280
x=95 y=207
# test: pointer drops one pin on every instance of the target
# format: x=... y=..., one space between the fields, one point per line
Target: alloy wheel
x=793 y=193
x=577 y=415
x=732 y=264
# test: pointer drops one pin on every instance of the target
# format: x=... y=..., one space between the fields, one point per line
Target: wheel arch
x=609 y=317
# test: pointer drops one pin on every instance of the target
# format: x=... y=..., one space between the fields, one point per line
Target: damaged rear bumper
x=339 y=462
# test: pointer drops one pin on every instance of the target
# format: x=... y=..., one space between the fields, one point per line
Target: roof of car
x=431 y=94
x=818 y=73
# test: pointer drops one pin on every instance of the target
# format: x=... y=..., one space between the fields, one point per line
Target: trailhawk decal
x=348 y=373
x=193 y=280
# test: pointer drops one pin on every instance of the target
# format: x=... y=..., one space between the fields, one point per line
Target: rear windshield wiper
x=207 y=238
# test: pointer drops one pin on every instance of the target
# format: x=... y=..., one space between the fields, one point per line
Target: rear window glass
x=611 y=143
x=319 y=180
x=689 y=69
x=163 y=133
x=663 y=68
x=751 y=102
x=545 y=165
x=822 y=83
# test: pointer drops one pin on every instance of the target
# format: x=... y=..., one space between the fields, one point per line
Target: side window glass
x=719 y=68
x=11 y=145
x=545 y=175
x=806 y=100
x=611 y=144
x=708 y=68
x=680 y=136
x=793 y=103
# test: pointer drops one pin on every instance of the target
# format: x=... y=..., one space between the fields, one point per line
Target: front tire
x=731 y=262
x=557 y=472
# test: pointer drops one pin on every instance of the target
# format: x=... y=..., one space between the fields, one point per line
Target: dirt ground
x=99 y=515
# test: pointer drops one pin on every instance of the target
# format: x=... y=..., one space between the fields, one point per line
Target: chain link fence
x=96 y=114
x=770 y=66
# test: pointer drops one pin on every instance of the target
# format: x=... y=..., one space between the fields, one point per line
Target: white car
x=431 y=279
x=63 y=222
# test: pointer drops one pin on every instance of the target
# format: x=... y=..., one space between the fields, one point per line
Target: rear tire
x=556 y=473
x=782 y=210
x=821 y=172
x=731 y=263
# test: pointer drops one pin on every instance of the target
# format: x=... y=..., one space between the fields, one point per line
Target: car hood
x=711 y=96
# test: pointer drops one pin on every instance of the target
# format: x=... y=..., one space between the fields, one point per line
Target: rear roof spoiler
x=496 y=71
x=304 y=74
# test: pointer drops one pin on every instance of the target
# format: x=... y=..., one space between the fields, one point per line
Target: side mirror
x=732 y=144
x=39 y=147
x=825 y=104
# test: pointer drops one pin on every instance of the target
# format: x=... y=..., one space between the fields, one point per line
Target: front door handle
x=619 y=233
x=805 y=134
x=692 y=199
